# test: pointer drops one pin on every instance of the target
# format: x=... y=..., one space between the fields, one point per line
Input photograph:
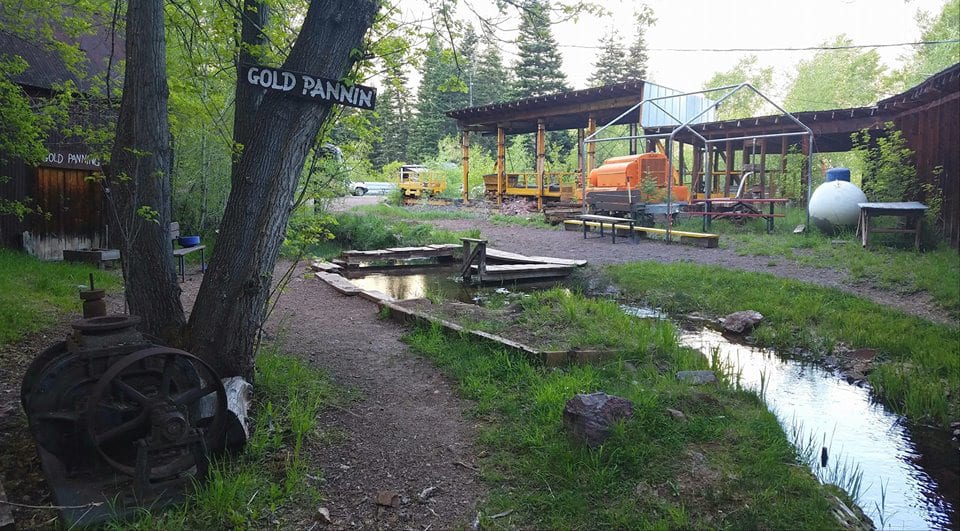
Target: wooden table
x=911 y=211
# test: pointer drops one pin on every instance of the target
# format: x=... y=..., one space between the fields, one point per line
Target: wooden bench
x=593 y=220
x=699 y=239
x=911 y=211
x=184 y=251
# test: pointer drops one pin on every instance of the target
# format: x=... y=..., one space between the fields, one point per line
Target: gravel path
x=407 y=432
x=570 y=244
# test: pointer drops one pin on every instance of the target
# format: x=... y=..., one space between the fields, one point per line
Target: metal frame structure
x=685 y=125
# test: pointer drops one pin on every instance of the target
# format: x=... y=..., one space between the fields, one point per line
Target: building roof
x=47 y=69
x=559 y=111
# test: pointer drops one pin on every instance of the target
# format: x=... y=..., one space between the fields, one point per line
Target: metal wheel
x=155 y=396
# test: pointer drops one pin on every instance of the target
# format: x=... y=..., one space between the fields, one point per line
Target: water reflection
x=830 y=412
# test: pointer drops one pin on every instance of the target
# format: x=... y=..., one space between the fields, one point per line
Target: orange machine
x=621 y=173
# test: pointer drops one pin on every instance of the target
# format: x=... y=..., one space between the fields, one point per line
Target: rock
x=388 y=498
x=590 y=417
x=697 y=377
x=740 y=322
x=676 y=414
x=426 y=493
x=323 y=515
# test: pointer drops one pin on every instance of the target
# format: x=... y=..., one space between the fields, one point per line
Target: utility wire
x=785 y=49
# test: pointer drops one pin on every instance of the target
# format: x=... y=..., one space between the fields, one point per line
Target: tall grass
x=919 y=365
x=729 y=465
x=33 y=292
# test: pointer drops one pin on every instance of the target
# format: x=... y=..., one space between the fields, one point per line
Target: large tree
x=539 y=63
x=931 y=58
x=232 y=299
x=745 y=102
x=836 y=78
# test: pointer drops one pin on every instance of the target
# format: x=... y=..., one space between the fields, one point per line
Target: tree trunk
x=231 y=303
x=140 y=177
x=247 y=97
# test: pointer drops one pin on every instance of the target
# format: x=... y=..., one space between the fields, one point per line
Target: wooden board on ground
x=342 y=285
x=505 y=256
x=326 y=267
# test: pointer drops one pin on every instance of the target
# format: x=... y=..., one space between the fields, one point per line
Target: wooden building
x=66 y=200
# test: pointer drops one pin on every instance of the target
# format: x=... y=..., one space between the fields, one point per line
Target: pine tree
x=441 y=89
x=610 y=66
x=393 y=122
x=491 y=80
x=538 y=67
x=637 y=61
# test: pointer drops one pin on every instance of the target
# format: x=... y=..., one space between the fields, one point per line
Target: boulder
x=590 y=417
x=697 y=377
x=740 y=322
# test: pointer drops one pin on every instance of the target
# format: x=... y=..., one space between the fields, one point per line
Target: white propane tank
x=834 y=205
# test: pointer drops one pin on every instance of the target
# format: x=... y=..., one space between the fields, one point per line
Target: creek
x=903 y=476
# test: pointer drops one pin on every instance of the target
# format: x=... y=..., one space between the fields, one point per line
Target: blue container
x=838 y=174
x=189 y=241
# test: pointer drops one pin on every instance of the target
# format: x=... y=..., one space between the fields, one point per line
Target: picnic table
x=738 y=208
x=911 y=211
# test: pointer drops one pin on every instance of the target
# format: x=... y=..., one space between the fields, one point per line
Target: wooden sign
x=309 y=87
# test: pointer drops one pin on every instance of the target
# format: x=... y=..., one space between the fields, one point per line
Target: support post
x=591 y=147
x=763 y=170
x=729 y=169
x=466 y=166
x=581 y=134
x=541 y=161
x=633 y=139
x=501 y=163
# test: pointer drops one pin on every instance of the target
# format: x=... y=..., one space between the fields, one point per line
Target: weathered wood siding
x=68 y=211
x=933 y=133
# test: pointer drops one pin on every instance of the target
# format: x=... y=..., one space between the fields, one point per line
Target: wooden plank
x=505 y=256
x=338 y=283
x=326 y=267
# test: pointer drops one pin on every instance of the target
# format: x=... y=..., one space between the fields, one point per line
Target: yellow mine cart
x=416 y=181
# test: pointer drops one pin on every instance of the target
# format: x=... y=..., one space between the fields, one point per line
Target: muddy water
x=909 y=477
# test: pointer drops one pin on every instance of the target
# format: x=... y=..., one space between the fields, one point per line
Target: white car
x=371 y=187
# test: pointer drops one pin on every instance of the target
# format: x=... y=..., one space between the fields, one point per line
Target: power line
x=785 y=49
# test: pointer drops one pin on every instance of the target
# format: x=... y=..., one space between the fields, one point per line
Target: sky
x=697 y=24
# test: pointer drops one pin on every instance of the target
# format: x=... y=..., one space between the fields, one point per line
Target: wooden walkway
x=358 y=258
x=475 y=268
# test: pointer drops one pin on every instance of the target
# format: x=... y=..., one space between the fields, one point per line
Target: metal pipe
x=771 y=135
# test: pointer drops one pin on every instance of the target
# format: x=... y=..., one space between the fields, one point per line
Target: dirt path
x=570 y=244
x=405 y=433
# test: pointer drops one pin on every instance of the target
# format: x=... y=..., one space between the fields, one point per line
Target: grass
x=889 y=263
x=34 y=292
x=272 y=475
x=919 y=371
x=729 y=465
x=365 y=232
